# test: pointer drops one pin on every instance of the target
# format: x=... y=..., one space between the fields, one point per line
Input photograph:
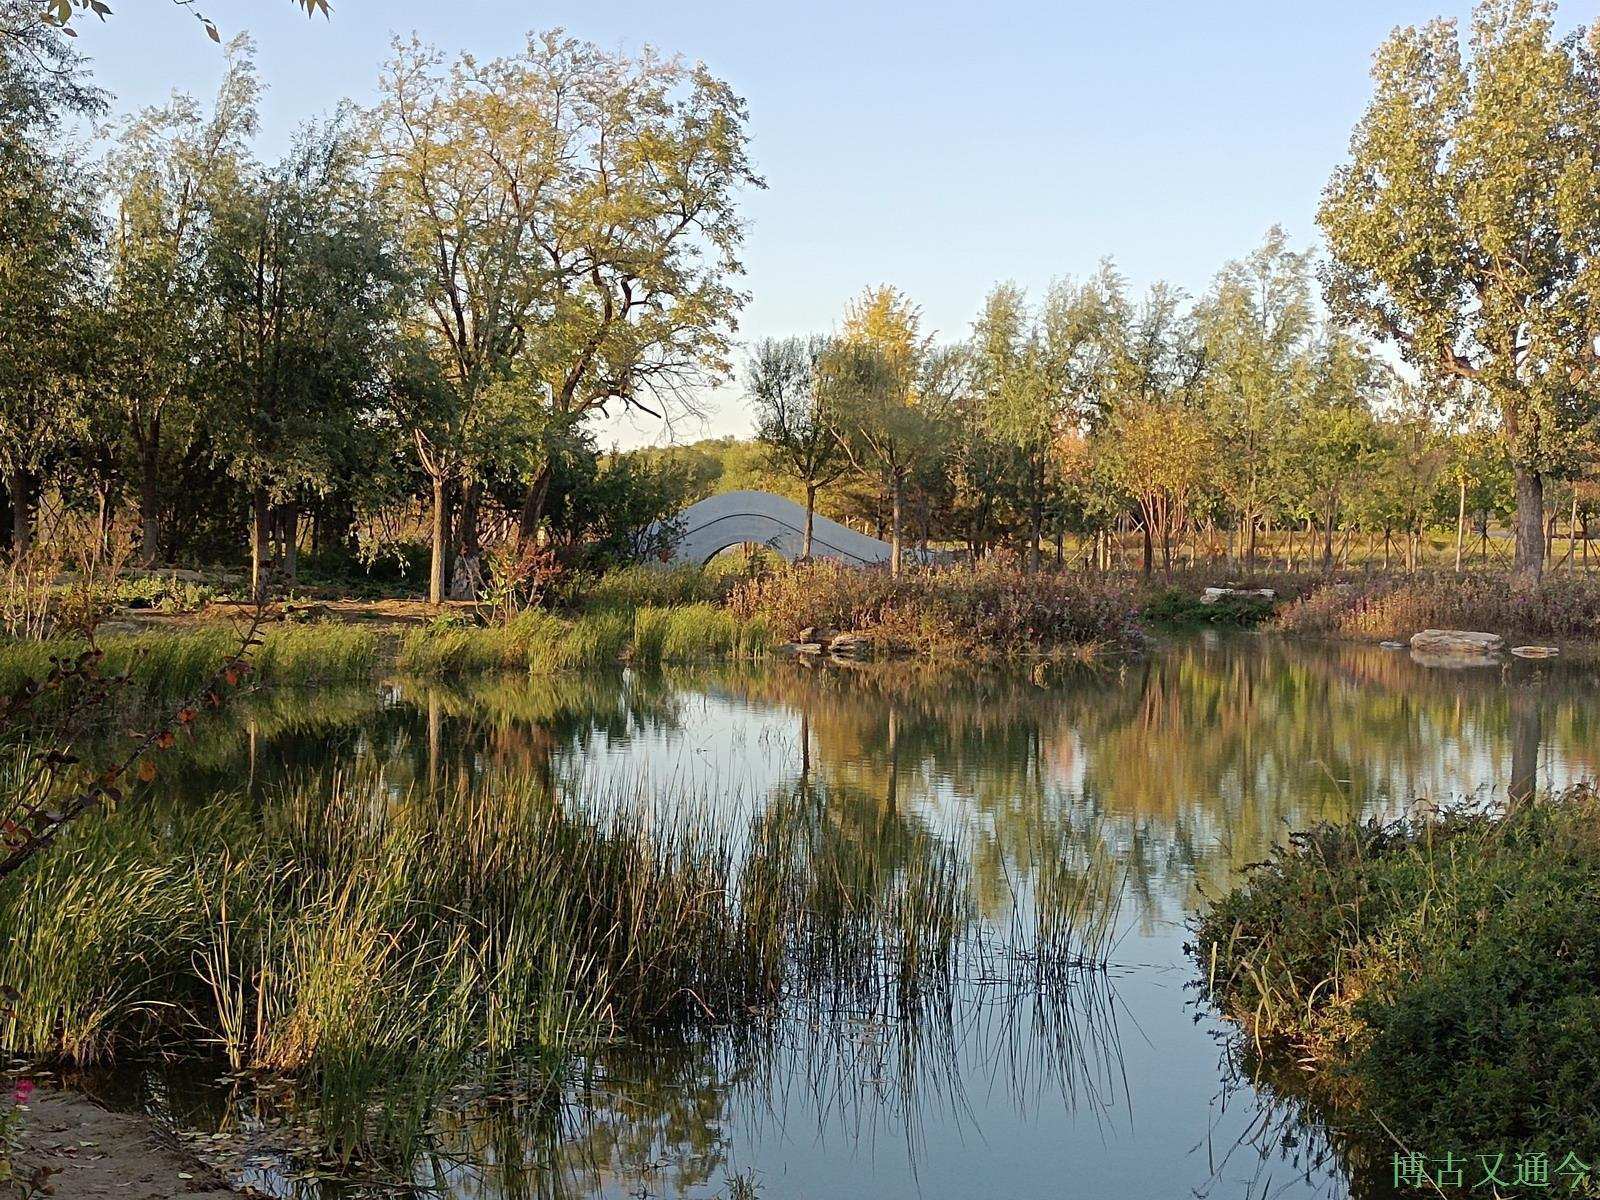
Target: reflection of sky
x=1169 y=1130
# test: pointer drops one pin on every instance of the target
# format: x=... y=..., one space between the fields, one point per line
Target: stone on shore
x=1212 y=594
x=1536 y=651
x=1457 y=643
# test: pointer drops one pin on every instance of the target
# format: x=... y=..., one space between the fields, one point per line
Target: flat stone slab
x=1392 y=645
x=1465 y=643
x=1536 y=651
x=1212 y=594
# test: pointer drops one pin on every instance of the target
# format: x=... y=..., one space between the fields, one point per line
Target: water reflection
x=1165 y=775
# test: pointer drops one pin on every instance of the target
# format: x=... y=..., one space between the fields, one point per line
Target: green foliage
x=1179 y=608
x=1350 y=947
x=1466 y=225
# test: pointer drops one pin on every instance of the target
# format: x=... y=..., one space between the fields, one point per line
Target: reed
x=361 y=941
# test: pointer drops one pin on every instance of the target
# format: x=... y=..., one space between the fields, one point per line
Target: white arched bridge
x=735 y=518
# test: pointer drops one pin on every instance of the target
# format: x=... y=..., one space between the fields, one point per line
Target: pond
x=1175 y=769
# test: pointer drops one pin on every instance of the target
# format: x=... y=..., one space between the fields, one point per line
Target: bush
x=987 y=609
x=1558 y=607
x=1440 y=976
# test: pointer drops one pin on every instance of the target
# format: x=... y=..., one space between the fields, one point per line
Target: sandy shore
x=94 y=1154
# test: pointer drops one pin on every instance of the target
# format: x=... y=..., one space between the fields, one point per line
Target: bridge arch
x=732 y=518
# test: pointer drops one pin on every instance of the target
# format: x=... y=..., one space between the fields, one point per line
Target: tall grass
x=176 y=663
x=986 y=610
x=358 y=940
x=1560 y=606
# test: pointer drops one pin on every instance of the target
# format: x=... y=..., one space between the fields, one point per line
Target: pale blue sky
x=941 y=147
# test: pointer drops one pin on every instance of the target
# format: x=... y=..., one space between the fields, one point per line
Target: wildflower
x=22 y=1091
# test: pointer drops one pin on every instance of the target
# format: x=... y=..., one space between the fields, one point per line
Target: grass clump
x=1558 y=607
x=992 y=609
x=1439 y=977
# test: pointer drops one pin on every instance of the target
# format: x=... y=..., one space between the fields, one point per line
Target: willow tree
x=47 y=233
x=1036 y=374
x=168 y=167
x=1256 y=327
x=1466 y=228
x=303 y=291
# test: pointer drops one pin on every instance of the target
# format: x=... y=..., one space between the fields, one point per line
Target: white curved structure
x=732 y=518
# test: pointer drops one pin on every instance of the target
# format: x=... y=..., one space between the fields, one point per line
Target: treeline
x=1091 y=415
x=403 y=330
x=402 y=327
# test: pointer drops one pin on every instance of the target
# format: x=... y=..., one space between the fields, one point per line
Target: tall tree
x=890 y=413
x=1256 y=325
x=1466 y=228
x=47 y=229
x=791 y=382
x=169 y=166
x=304 y=290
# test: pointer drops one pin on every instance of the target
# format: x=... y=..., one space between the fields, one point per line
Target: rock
x=1392 y=645
x=850 y=645
x=808 y=648
x=1457 y=642
x=1536 y=651
x=814 y=633
x=300 y=612
x=1212 y=594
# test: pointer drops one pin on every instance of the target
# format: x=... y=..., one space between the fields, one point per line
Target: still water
x=1177 y=768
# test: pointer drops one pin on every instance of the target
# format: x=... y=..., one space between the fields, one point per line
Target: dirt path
x=99 y=1155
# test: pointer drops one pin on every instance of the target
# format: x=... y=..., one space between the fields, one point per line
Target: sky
x=942 y=147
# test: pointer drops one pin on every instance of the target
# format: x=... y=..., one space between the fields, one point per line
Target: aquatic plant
x=1438 y=977
x=363 y=941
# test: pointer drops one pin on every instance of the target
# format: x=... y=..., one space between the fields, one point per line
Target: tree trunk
x=1529 y=559
x=896 y=511
x=440 y=534
x=1149 y=549
x=1461 y=520
x=532 y=515
x=1572 y=531
x=150 y=496
x=291 y=541
x=20 y=488
x=811 y=512
x=258 y=539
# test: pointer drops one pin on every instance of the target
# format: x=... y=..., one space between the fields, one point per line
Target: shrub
x=1441 y=976
x=1558 y=607
x=988 y=609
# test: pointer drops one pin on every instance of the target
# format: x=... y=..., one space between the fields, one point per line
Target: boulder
x=1392 y=645
x=1536 y=651
x=1457 y=643
x=850 y=645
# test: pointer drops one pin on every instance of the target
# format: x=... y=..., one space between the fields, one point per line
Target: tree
x=1255 y=326
x=637 y=235
x=891 y=386
x=1034 y=377
x=791 y=383
x=1466 y=228
x=1162 y=455
x=304 y=290
x=572 y=212
x=47 y=232
x=60 y=14
x=168 y=168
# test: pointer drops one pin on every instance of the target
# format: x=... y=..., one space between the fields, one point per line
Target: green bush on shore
x=1440 y=978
